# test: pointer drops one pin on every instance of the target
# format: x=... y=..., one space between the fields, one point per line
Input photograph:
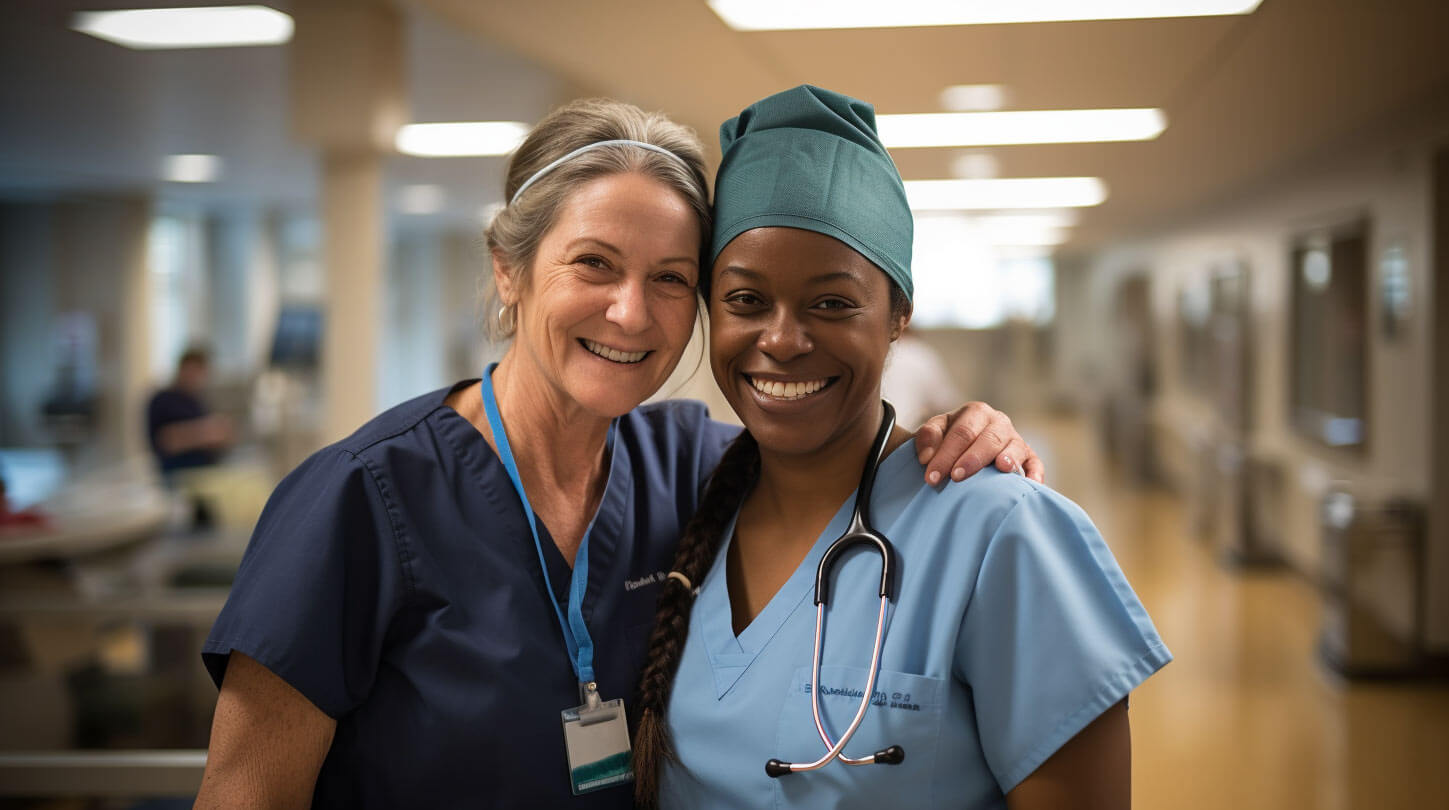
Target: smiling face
x=608 y=306
x=800 y=324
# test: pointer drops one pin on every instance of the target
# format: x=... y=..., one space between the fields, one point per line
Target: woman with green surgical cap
x=989 y=665
x=449 y=607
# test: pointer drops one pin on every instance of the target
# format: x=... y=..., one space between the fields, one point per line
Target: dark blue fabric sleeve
x=714 y=438
x=319 y=584
x=691 y=439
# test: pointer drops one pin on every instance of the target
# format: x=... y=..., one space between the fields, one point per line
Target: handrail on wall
x=102 y=774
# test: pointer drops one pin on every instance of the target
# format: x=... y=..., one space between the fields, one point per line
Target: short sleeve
x=714 y=438
x=692 y=438
x=1052 y=636
x=318 y=586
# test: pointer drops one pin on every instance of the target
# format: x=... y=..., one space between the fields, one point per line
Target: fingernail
x=934 y=477
x=959 y=474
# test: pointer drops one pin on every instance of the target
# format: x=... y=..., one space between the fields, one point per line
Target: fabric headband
x=585 y=148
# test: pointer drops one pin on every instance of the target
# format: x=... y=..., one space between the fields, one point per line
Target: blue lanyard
x=575 y=632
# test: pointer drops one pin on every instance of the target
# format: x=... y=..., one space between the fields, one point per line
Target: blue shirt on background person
x=393 y=581
x=170 y=406
x=184 y=434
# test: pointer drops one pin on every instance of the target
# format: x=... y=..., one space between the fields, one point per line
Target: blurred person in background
x=184 y=433
x=1013 y=638
x=425 y=603
x=916 y=381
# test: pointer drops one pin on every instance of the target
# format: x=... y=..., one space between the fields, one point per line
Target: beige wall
x=1384 y=178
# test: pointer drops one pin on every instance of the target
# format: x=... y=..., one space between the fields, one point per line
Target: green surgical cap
x=810 y=158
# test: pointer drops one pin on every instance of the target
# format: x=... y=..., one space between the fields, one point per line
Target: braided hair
x=726 y=490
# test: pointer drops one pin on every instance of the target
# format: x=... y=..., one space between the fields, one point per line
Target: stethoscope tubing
x=869 y=692
x=859 y=533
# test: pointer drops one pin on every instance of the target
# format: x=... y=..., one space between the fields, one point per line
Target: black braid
x=726 y=490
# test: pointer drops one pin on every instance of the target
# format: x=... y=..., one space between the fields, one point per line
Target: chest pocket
x=905 y=710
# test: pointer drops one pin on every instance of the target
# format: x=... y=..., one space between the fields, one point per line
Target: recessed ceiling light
x=975 y=166
x=777 y=15
x=461 y=139
x=999 y=229
x=1016 y=192
x=191 y=168
x=204 y=27
x=421 y=199
x=1045 y=220
x=974 y=97
x=1019 y=127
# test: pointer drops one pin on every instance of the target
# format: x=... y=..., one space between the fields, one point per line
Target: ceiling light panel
x=191 y=168
x=975 y=166
x=1010 y=193
x=918 y=130
x=974 y=97
x=996 y=229
x=780 y=15
x=1043 y=220
x=203 y=27
x=461 y=139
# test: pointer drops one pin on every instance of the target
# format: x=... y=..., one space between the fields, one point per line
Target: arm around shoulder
x=268 y=742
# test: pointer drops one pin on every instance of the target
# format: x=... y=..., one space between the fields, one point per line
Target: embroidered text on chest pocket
x=905 y=710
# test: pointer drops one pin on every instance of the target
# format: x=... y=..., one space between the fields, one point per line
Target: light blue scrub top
x=1012 y=630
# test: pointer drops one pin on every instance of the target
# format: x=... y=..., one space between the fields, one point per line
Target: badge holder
x=596 y=736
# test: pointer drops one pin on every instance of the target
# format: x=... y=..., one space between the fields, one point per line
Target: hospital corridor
x=435 y=403
x=1247 y=715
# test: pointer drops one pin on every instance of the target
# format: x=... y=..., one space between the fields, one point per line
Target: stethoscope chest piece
x=860 y=533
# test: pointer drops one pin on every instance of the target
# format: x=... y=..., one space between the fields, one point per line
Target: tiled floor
x=1246 y=717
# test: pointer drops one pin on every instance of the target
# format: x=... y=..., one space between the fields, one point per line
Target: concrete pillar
x=352 y=253
x=348 y=99
x=102 y=274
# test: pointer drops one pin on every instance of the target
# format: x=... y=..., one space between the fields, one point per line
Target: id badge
x=596 y=737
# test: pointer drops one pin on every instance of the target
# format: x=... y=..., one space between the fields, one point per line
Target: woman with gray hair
x=424 y=603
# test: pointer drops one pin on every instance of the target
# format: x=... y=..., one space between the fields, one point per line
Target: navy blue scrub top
x=167 y=407
x=392 y=580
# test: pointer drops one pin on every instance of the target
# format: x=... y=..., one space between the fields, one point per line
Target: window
x=1329 y=334
x=967 y=277
x=178 y=289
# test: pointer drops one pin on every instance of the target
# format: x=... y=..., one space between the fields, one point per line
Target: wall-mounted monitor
x=297 y=341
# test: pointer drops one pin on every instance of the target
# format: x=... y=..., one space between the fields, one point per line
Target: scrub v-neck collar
x=606 y=529
x=730 y=655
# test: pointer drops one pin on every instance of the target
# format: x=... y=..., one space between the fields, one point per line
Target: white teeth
x=787 y=390
x=613 y=354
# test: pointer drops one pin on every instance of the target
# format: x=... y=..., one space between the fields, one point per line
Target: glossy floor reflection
x=1246 y=717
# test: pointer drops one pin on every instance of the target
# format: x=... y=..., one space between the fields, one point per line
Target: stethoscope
x=859 y=533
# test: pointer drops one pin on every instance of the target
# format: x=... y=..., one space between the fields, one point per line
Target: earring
x=507 y=319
